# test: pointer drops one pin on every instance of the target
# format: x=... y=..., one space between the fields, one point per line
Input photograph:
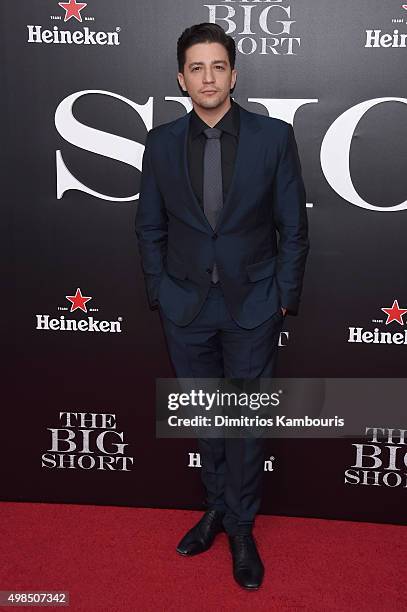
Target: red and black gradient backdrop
x=80 y=90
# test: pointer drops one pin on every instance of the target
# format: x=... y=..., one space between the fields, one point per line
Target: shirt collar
x=229 y=122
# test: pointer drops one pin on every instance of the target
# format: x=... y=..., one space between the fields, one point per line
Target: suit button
x=214 y=236
x=208 y=270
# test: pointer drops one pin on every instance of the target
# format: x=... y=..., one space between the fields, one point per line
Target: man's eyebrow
x=202 y=63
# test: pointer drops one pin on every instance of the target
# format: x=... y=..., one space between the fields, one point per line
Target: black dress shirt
x=229 y=124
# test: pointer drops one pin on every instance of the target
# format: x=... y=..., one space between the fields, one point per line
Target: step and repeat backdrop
x=82 y=84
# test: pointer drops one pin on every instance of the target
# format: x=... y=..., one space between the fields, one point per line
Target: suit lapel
x=246 y=151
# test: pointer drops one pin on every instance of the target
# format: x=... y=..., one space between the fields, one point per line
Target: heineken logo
x=394 y=314
x=77 y=303
x=72 y=16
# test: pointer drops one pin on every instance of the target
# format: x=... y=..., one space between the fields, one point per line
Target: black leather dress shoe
x=248 y=569
x=201 y=536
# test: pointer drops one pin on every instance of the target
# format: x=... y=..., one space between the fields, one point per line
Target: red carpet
x=123 y=559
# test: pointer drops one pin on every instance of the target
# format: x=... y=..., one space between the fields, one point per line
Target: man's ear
x=181 y=81
x=234 y=78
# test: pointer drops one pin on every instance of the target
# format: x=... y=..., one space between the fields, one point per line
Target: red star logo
x=72 y=9
x=395 y=313
x=78 y=301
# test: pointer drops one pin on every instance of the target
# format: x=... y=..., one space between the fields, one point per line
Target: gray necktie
x=212 y=182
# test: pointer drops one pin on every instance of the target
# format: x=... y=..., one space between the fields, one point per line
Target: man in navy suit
x=223 y=239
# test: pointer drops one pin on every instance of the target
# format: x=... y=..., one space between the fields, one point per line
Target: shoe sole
x=246 y=588
x=185 y=554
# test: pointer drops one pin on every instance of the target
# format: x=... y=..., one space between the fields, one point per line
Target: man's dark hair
x=201 y=33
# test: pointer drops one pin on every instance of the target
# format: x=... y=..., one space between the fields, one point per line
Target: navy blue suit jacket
x=260 y=243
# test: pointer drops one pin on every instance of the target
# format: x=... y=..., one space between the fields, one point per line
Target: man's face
x=208 y=77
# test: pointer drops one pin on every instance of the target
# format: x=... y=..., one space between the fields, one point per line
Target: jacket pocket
x=261 y=269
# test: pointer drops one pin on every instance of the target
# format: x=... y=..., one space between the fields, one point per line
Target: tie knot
x=212 y=133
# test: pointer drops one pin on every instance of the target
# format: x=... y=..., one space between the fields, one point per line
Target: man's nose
x=208 y=75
